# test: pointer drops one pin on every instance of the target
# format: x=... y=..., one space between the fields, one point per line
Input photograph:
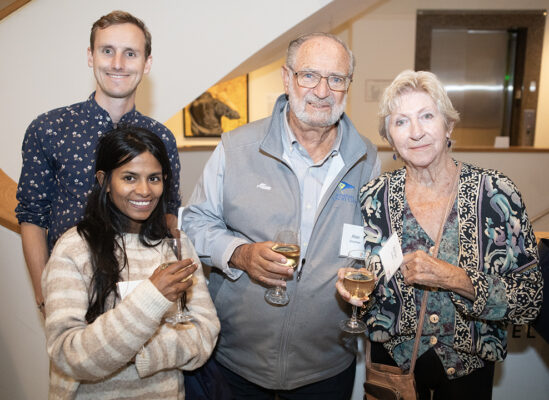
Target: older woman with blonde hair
x=483 y=272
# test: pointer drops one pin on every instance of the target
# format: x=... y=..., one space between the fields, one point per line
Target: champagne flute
x=286 y=244
x=178 y=249
x=359 y=281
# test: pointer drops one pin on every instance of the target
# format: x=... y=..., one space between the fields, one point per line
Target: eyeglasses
x=310 y=80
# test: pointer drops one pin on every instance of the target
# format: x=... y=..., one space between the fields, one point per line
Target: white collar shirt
x=313 y=178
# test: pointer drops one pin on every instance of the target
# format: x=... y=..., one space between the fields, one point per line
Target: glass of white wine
x=359 y=282
x=286 y=243
x=174 y=249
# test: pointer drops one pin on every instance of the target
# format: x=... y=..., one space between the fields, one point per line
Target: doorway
x=489 y=63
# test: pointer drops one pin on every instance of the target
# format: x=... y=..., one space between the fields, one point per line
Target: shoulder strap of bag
x=451 y=199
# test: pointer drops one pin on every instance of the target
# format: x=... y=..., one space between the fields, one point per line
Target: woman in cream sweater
x=105 y=340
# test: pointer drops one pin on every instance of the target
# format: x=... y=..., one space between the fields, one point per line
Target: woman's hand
x=343 y=292
x=422 y=269
x=174 y=279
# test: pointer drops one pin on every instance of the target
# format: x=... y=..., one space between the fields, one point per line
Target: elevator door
x=477 y=69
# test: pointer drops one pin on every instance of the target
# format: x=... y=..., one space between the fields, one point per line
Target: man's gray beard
x=318 y=119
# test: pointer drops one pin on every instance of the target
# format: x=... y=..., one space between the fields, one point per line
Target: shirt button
x=450 y=371
x=433 y=340
x=431 y=250
x=433 y=318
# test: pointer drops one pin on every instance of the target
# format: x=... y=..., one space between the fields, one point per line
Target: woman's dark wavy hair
x=104 y=223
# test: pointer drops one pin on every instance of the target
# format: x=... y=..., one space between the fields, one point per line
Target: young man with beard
x=301 y=168
x=59 y=146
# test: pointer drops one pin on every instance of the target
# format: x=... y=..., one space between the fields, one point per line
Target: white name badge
x=391 y=256
x=352 y=238
x=126 y=287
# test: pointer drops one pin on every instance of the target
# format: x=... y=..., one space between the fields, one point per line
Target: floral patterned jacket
x=496 y=248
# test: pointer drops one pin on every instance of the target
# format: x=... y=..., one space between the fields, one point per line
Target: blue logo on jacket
x=343 y=192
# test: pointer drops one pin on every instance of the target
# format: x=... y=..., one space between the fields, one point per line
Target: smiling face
x=418 y=130
x=319 y=106
x=135 y=188
x=119 y=62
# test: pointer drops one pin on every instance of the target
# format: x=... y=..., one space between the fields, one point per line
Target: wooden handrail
x=11 y=7
x=8 y=188
x=541 y=235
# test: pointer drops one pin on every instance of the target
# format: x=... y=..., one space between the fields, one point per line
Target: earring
x=448 y=142
x=394 y=156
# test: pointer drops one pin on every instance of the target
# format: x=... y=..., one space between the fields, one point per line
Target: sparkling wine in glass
x=178 y=249
x=286 y=244
x=359 y=281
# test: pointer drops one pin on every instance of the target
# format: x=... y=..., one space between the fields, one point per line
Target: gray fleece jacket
x=301 y=343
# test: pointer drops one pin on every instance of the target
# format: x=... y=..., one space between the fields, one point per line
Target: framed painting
x=221 y=108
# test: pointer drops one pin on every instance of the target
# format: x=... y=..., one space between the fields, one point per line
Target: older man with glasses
x=299 y=169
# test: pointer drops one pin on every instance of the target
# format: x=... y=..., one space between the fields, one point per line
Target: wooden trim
x=383 y=148
x=485 y=149
x=510 y=149
x=4 y=12
x=205 y=147
x=8 y=202
x=480 y=12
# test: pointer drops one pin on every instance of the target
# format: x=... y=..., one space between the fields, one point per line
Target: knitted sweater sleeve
x=91 y=352
x=185 y=346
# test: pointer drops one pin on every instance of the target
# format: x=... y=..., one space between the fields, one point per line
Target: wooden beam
x=14 y=5
x=8 y=202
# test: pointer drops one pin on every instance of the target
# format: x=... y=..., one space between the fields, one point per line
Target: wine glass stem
x=179 y=306
x=353 y=318
x=183 y=301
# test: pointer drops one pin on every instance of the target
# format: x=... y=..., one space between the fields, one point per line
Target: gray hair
x=411 y=81
x=295 y=44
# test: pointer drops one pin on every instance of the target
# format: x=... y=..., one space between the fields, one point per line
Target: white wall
x=265 y=85
x=383 y=41
x=195 y=43
x=23 y=360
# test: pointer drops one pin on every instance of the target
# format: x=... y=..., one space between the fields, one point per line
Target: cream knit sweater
x=94 y=361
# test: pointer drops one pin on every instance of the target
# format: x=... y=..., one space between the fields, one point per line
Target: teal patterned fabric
x=488 y=234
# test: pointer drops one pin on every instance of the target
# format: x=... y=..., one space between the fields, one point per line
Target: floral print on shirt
x=59 y=164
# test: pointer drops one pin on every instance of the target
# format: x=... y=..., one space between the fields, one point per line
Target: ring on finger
x=163 y=266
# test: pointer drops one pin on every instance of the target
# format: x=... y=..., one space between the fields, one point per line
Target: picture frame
x=221 y=108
